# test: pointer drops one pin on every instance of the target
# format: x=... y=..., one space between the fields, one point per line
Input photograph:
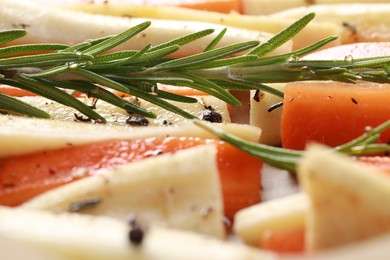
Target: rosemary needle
x=215 y=71
x=288 y=159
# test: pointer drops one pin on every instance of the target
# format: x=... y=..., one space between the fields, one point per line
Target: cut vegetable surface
x=334 y=113
x=359 y=211
x=223 y=6
x=284 y=241
x=25 y=176
x=165 y=190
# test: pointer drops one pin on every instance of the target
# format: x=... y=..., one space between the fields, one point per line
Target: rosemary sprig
x=288 y=159
x=87 y=65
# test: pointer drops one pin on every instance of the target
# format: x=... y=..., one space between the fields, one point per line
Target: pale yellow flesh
x=165 y=190
x=256 y=7
x=51 y=24
x=284 y=213
x=21 y=135
x=118 y=116
x=75 y=236
x=347 y=200
x=263 y=116
x=359 y=22
x=312 y=33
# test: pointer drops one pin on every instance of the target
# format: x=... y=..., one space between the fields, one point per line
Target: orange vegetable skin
x=222 y=6
x=284 y=241
x=23 y=177
x=15 y=92
x=332 y=113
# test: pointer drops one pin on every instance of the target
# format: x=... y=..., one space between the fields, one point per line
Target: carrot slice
x=23 y=177
x=333 y=113
x=222 y=6
x=15 y=92
x=284 y=241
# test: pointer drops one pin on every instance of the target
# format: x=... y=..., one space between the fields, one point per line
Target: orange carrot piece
x=23 y=177
x=333 y=113
x=15 y=92
x=284 y=241
x=222 y=6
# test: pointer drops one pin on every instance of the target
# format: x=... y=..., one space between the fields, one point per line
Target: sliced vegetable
x=23 y=177
x=221 y=6
x=284 y=241
x=333 y=113
x=15 y=92
x=381 y=163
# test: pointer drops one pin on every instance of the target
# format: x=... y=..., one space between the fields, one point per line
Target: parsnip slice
x=359 y=22
x=75 y=236
x=256 y=7
x=118 y=116
x=52 y=24
x=348 y=199
x=166 y=190
x=19 y=135
x=312 y=33
x=278 y=214
x=263 y=115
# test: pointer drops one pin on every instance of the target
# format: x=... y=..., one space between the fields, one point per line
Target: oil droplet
x=348 y=58
x=306 y=72
x=293 y=58
x=72 y=65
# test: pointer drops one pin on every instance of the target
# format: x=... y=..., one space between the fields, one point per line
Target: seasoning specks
x=85 y=204
x=81 y=118
x=275 y=106
x=137 y=120
x=258 y=96
x=209 y=114
x=136 y=233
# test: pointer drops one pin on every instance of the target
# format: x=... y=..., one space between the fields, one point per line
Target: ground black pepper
x=137 y=121
x=209 y=114
x=85 y=204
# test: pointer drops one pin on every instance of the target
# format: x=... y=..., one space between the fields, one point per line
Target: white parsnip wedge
x=165 y=190
x=75 y=236
x=51 y=24
x=15 y=249
x=284 y=213
x=117 y=116
x=348 y=199
x=255 y=7
x=266 y=114
x=374 y=248
x=312 y=33
x=21 y=135
x=359 y=22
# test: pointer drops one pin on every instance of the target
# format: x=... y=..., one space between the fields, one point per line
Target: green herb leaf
x=10 y=35
x=282 y=37
x=206 y=56
x=116 y=40
x=11 y=104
